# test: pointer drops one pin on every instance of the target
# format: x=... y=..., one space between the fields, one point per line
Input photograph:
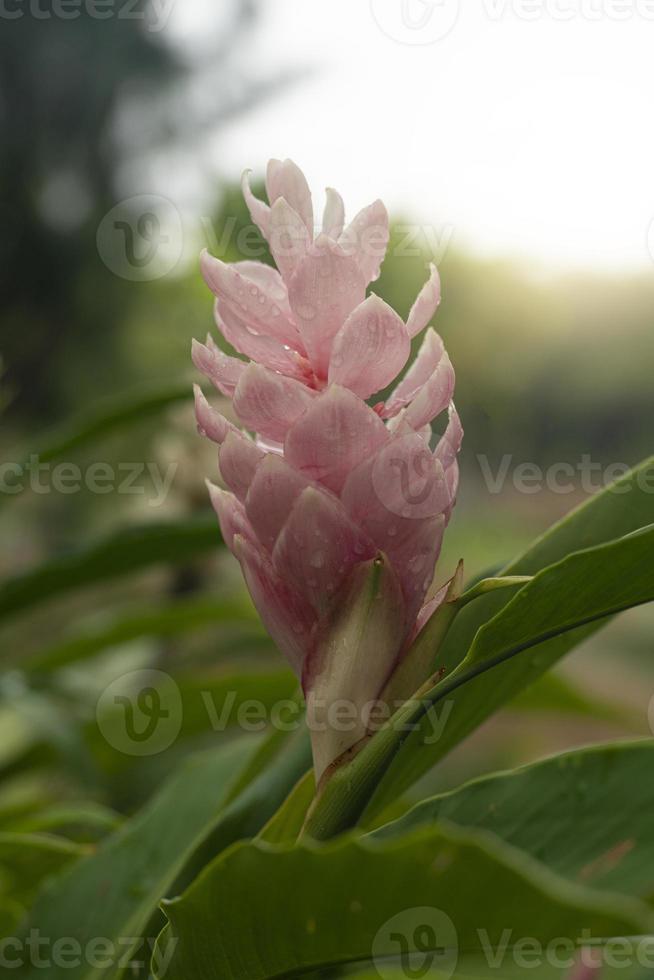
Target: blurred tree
x=84 y=100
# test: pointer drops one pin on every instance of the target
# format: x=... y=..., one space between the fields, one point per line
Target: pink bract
x=325 y=478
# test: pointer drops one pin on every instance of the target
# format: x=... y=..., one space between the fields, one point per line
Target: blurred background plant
x=552 y=366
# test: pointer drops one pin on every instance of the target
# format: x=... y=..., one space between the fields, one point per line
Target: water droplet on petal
x=317 y=559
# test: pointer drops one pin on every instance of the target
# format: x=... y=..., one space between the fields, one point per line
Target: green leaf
x=27 y=859
x=261 y=912
x=621 y=508
x=114 y=892
x=285 y=825
x=172 y=619
x=122 y=553
x=214 y=799
x=582 y=588
x=111 y=416
x=84 y=822
x=586 y=814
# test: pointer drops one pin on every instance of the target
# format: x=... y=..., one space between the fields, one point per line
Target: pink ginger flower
x=332 y=499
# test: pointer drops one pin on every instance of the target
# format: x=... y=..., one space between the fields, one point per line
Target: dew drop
x=317 y=559
x=275 y=311
x=392 y=531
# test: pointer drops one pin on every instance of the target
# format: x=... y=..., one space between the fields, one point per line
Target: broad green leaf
x=216 y=798
x=286 y=824
x=582 y=588
x=27 y=860
x=586 y=814
x=620 y=509
x=625 y=506
x=83 y=822
x=261 y=912
x=122 y=553
x=172 y=619
x=114 y=892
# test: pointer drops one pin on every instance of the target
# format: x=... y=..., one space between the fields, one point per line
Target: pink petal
x=366 y=239
x=211 y=423
x=231 y=515
x=451 y=440
x=370 y=349
x=318 y=546
x=275 y=488
x=336 y=433
x=399 y=497
x=434 y=396
x=426 y=303
x=269 y=445
x=285 y=614
x=427 y=360
x=325 y=288
x=223 y=371
x=274 y=287
x=239 y=458
x=403 y=480
x=269 y=403
x=285 y=179
x=333 y=217
x=258 y=346
x=259 y=212
x=255 y=306
x=289 y=238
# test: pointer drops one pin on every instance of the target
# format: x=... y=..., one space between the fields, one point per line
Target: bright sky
x=519 y=127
